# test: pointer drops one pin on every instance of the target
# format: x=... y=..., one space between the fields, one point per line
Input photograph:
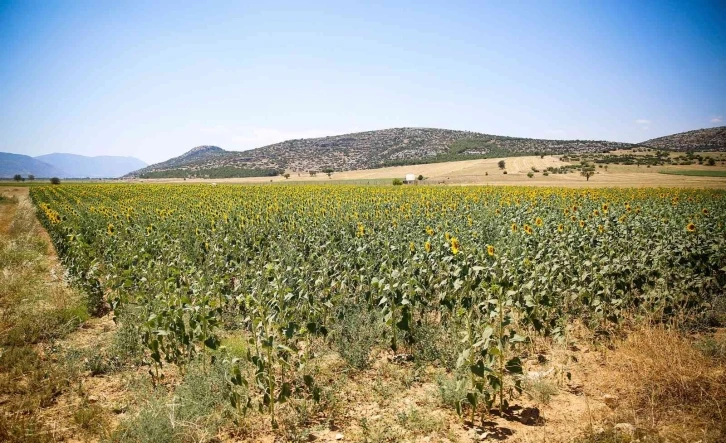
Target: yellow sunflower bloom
x=455 y=246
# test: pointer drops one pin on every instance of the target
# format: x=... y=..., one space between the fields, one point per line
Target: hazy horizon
x=155 y=80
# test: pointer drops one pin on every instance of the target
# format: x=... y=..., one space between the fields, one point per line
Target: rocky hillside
x=365 y=150
x=710 y=139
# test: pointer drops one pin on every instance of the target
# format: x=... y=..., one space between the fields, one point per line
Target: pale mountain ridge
x=25 y=165
x=81 y=166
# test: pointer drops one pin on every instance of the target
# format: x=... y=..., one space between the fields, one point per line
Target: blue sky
x=154 y=79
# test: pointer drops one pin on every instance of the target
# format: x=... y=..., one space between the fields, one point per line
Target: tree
x=710 y=161
x=328 y=171
x=313 y=173
x=31 y=177
x=501 y=164
x=17 y=177
x=286 y=175
x=55 y=181
x=397 y=182
x=587 y=173
x=420 y=177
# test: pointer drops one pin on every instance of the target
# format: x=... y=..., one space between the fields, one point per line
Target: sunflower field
x=278 y=265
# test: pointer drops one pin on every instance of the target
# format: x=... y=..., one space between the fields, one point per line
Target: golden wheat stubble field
x=487 y=172
x=398 y=313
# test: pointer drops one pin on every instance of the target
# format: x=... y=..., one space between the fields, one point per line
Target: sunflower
x=447 y=236
x=412 y=247
x=514 y=227
x=527 y=229
x=582 y=223
x=361 y=230
x=691 y=227
x=455 y=246
x=560 y=227
x=605 y=207
x=427 y=246
x=601 y=228
x=538 y=221
x=574 y=208
x=110 y=229
x=705 y=211
x=595 y=212
x=490 y=250
x=429 y=231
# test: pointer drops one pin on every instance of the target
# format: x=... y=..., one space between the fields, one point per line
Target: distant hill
x=81 y=166
x=709 y=139
x=363 y=150
x=11 y=164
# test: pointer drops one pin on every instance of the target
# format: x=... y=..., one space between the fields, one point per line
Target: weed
x=452 y=390
x=193 y=412
x=670 y=381
x=91 y=419
x=540 y=390
x=126 y=348
x=712 y=347
x=435 y=342
x=422 y=423
x=356 y=334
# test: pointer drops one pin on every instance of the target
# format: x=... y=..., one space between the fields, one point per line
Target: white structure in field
x=410 y=179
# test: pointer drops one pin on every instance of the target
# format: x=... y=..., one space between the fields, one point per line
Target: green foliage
x=436 y=342
x=221 y=172
x=479 y=270
x=397 y=182
x=55 y=181
x=192 y=412
x=356 y=333
x=91 y=419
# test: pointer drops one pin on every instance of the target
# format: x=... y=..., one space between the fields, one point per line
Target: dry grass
x=486 y=172
x=669 y=386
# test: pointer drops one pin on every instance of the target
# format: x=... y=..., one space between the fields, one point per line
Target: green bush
x=195 y=411
x=356 y=333
x=435 y=342
x=397 y=182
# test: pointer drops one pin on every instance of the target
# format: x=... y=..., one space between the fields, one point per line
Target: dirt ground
x=486 y=172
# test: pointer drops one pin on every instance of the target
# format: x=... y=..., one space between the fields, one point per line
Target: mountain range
x=398 y=146
x=361 y=150
x=67 y=165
